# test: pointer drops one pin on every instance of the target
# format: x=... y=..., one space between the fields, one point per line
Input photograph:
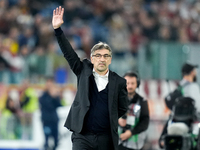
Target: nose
x=102 y=58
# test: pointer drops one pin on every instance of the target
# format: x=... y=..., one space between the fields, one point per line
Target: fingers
x=62 y=12
x=58 y=11
x=54 y=12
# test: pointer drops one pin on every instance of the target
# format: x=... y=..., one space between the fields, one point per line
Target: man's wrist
x=58 y=31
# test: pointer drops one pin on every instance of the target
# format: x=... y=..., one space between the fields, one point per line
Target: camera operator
x=133 y=125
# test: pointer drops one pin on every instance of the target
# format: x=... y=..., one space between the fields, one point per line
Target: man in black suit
x=101 y=96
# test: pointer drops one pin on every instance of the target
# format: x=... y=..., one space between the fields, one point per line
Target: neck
x=188 y=78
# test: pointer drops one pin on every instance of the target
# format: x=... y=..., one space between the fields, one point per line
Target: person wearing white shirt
x=189 y=84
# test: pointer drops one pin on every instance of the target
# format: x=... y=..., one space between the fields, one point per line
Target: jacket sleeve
x=122 y=101
x=68 y=52
x=143 y=120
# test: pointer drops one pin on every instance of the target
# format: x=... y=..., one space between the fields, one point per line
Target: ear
x=92 y=61
x=110 y=61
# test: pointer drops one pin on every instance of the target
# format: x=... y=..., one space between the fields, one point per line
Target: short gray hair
x=100 y=45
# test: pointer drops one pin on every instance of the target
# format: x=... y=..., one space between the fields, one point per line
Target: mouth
x=129 y=89
x=101 y=64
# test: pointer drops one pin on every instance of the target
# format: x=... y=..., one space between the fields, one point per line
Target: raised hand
x=57 y=19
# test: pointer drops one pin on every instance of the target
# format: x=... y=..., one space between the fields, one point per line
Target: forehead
x=130 y=79
x=102 y=51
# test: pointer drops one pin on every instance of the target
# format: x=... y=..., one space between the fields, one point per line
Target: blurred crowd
x=18 y=104
x=27 y=44
x=16 y=115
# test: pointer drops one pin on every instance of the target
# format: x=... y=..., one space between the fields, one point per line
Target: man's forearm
x=141 y=126
x=69 y=53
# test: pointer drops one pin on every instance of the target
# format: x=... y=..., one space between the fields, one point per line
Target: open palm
x=57 y=19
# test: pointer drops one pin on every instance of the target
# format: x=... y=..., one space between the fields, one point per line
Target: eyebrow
x=101 y=54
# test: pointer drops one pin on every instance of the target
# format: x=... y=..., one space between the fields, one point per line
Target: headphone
x=133 y=74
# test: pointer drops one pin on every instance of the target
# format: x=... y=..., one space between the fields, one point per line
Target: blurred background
x=154 y=37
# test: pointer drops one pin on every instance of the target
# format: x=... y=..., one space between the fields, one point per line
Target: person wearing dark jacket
x=101 y=96
x=133 y=125
x=49 y=102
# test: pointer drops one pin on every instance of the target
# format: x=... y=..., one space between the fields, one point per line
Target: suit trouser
x=90 y=141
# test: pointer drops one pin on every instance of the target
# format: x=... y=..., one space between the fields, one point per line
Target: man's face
x=101 y=59
x=131 y=84
x=194 y=74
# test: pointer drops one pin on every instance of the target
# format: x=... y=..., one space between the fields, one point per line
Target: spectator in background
x=134 y=123
x=136 y=39
x=164 y=34
x=28 y=97
x=119 y=35
x=12 y=107
x=10 y=50
x=38 y=63
x=49 y=102
x=29 y=104
x=10 y=121
x=27 y=38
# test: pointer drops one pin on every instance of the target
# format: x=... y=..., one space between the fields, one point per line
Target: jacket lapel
x=111 y=89
x=88 y=70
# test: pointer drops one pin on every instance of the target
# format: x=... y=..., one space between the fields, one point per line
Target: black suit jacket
x=117 y=95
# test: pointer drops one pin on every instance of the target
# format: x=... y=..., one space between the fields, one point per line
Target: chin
x=102 y=70
x=131 y=92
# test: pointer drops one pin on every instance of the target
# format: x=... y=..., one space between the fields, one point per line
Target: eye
x=106 y=56
x=98 y=55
